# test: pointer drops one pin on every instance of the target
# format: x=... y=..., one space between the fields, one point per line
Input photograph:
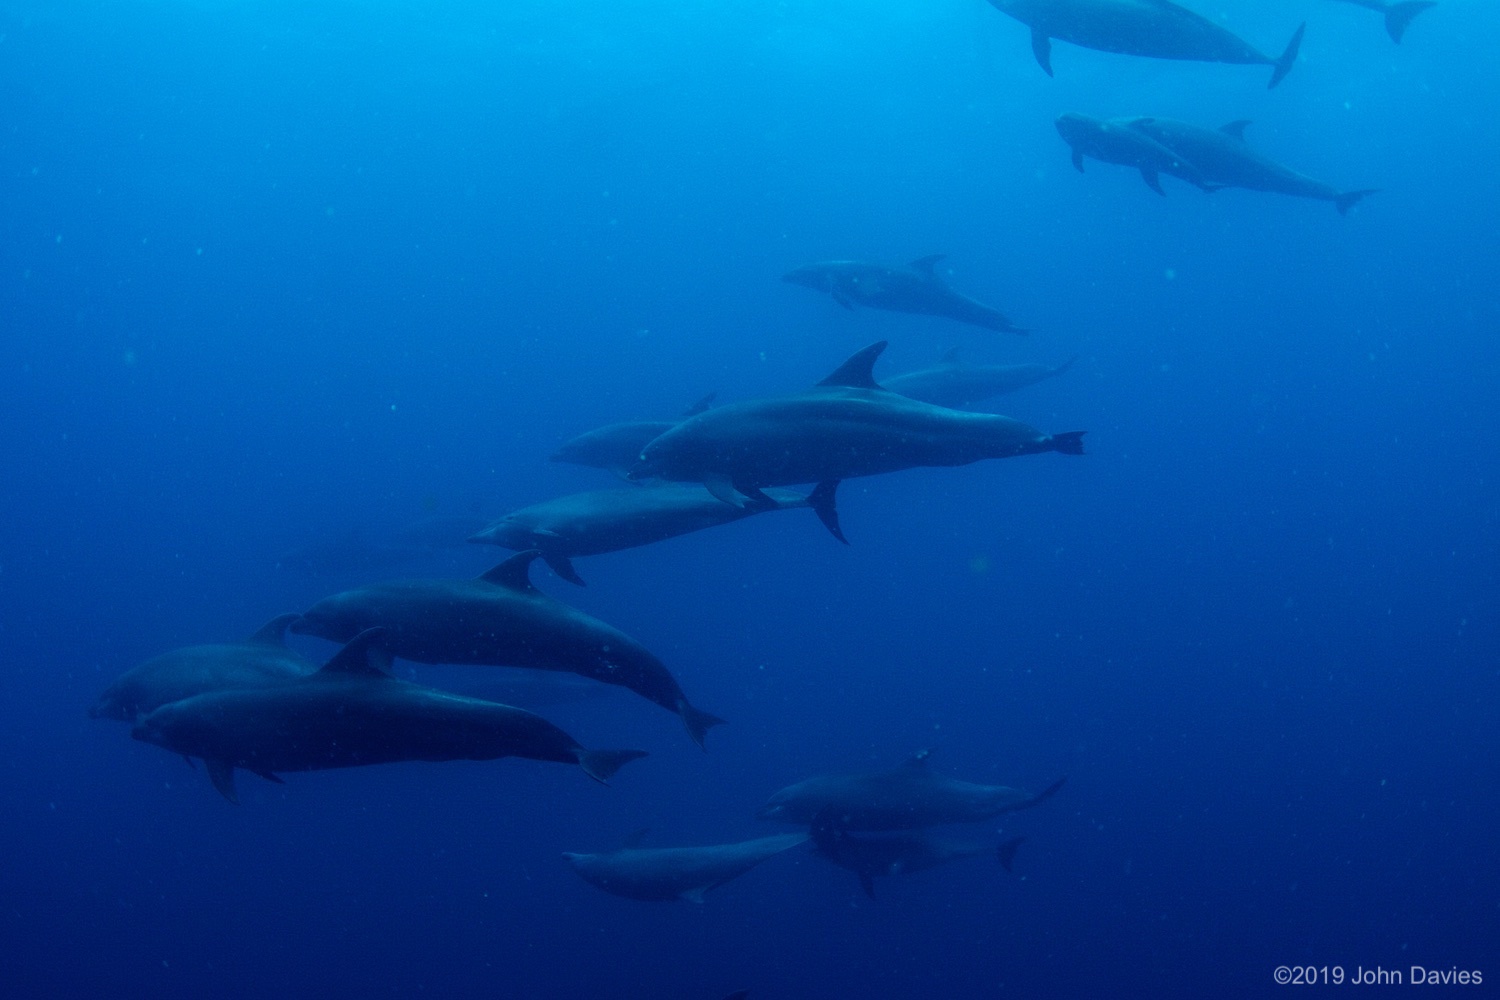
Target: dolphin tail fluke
x=601 y=765
x=1068 y=443
x=698 y=722
x=1044 y=794
x=1060 y=369
x=1006 y=852
x=1349 y=199
x=1398 y=17
x=1288 y=58
x=563 y=567
x=821 y=500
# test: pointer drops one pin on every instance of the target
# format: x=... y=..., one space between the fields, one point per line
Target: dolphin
x=667 y=873
x=1154 y=28
x=352 y=712
x=957 y=385
x=263 y=660
x=908 y=797
x=586 y=524
x=896 y=853
x=617 y=446
x=500 y=619
x=1116 y=142
x=915 y=288
x=1226 y=159
x=1398 y=15
x=845 y=426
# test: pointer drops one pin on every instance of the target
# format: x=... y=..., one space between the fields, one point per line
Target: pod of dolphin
x=261 y=707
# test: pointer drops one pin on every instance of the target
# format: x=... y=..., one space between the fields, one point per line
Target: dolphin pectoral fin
x=601 y=765
x=1349 y=199
x=1006 y=852
x=926 y=264
x=723 y=489
x=1077 y=159
x=1153 y=181
x=841 y=297
x=221 y=773
x=695 y=894
x=1398 y=17
x=1288 y=57
x=822 y=502
x=563 y=567
x=1041 y=47
x=189 y=761
x=272 y=778
x=1236 y=128
x=867 y=884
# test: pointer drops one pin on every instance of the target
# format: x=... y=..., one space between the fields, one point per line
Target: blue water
x=272 y=271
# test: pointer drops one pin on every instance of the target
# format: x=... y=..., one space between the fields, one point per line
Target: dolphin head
x=1078 y=131
x=508 y=533
x=176 y=726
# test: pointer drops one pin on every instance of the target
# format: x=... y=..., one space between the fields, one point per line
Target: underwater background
x=275 y=273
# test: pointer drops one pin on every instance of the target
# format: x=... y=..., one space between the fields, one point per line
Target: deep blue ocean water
x=271 y=272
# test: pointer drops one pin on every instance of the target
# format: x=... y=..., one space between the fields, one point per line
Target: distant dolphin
x=869 y=855
x=585 y=524
x=616 y=447
x=959 y=385
x=668 y=873
x=843 y=427
x=1398 y=16
x=350 y=713
x=1154 y=28
x=908 y=797
x=1117 y=142
x=915 y=288
x=263 y=660
x=1225 y=158
x=500 y=619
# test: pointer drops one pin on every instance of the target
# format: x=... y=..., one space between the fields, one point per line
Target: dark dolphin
x=263 y=660
x=616 y=447
x=500 y=619
x=667 y=873
x=350 y=713
x=1398 y=16
x=915 y=288
x=1226 y=159
x=908 y=797
x=586 y=524
x=845 y=426
x=1154 y=28
x=959 y=385
x=869 y=855
x=1117 y=142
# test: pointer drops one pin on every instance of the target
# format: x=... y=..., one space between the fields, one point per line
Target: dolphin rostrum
x=667 y=873
x=915 y=288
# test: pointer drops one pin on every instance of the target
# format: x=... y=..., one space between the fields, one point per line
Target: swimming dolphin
x=915 y=288
x=875 y=854
x=1398 y=15
x=1226 y=159
x=352 y=712
x=668 y=873
x=263 y=660
x=616 y=447
x=586 y=524
x=845 y=426
x=1154 y=28
x=908 y=797
x=958 y=385
x=1117 y=142
x=500 y=619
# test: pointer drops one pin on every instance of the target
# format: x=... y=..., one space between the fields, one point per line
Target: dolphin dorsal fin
x=950 y=356
x=634 y=838
x=514 y=573
x=360 y=657
x=701 y=405
x=926 y=264
x=1236 y=128
x=273 y=632
x=858 y=372
x=918 y=759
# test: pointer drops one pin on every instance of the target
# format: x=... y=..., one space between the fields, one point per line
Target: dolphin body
x=617 y=447
x=500 y=619
x=908 y=797
x=1398 y=16
x=957 y=385
x=586 y=524
x=1154 y=28
x=669 y=873
x=263 y=660
x=1117 y=142
x=915 y=288
x=352 y=712
x=897 y=853
x=1226 y=159
x=845 y=426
